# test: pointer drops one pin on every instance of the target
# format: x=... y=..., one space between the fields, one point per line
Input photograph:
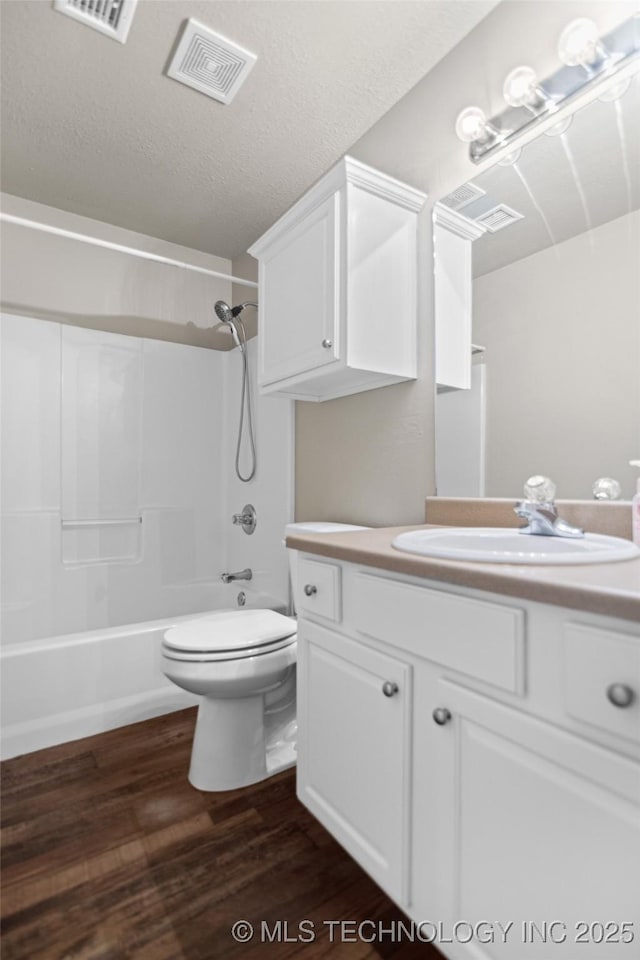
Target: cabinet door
x=354 y=750
x=299 y=297
x=533 y=825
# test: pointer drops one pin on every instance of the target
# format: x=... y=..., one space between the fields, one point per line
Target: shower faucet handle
x=247 y=519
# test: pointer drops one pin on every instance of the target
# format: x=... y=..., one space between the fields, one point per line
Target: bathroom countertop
x=611 y=589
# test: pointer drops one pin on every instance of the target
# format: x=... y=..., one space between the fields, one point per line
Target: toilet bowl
x=242 y=663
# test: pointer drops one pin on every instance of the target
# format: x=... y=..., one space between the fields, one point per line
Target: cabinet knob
x=620 y=695
x=310 y=589
x=327 y=344
x=389 y=688
x=441 y=716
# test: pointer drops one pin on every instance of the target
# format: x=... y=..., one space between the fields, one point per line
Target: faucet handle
x=247 y=519
x=540 y=489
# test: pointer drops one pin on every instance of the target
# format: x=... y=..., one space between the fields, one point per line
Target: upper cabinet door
x=299 y=294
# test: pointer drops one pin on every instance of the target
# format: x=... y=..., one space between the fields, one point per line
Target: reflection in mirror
x=556 y=310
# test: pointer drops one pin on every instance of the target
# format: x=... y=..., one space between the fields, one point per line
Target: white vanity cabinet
x=534 y=825
x=353 y=769
x=338 y=287
x=500 y=784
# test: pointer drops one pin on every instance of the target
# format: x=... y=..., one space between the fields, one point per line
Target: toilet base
x=242 y=741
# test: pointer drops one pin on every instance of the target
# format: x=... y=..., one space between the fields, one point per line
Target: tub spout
x=245 y=574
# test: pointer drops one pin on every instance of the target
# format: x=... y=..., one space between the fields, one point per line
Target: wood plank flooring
x=110 y=854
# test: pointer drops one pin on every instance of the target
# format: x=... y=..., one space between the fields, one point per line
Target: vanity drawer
x=319 y=592
x=595 y=660
x=474 y=637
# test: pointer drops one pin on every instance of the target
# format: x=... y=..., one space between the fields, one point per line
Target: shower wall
x=118 y=484
x=112 y=479
x=271 y=490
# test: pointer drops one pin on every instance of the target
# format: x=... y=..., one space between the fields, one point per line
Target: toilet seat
x=229 y=635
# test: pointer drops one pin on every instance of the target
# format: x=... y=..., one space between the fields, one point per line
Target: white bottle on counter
x=635 y=508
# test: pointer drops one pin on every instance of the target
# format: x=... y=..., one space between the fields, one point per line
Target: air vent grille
x=463 y=196
x=111 y=17
x=210 y=63
x=498 y=218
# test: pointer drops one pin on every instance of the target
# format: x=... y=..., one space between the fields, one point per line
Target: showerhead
x=227 y=313
x=223 y=311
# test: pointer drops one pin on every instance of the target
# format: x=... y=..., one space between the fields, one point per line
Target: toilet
x=243 y=665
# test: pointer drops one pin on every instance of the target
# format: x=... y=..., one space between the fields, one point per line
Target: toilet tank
x=312 y=526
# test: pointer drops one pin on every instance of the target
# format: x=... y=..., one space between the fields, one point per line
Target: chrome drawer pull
x=620 y=695
x=310 y=590
x=441 y=716
x=390 y=689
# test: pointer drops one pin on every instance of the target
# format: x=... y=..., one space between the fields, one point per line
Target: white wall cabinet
x=501 y=784
x=338 y=287
x=453 y=236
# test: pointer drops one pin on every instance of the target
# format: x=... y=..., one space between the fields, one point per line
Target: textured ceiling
x=97 y=128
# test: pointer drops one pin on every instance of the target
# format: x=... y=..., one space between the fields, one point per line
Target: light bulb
x=473 y=127
x=579 y=43
x=471 y=124
x=521 y=89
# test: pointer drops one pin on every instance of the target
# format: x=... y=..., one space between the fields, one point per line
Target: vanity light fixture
x=586 y=58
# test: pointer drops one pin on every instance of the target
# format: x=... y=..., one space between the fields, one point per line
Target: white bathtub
x=67 y=687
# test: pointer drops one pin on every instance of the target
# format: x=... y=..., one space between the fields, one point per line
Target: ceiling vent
x=111 y=17
x=463 y=196
x=210 y=63
x=498 y=218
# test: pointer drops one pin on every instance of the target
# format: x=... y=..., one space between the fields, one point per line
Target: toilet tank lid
x=320 y=526
x=230 y=630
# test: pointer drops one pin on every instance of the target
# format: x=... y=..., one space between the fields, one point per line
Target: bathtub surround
x=119 y=513
x=111 y=511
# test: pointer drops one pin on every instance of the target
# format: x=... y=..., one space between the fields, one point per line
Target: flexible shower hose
x=245 y=400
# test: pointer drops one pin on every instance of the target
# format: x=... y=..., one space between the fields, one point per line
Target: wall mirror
x=555 y=320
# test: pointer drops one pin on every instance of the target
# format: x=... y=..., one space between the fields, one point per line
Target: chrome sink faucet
x=540 y=512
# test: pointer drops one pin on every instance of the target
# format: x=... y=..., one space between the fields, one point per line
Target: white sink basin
x=501 y=545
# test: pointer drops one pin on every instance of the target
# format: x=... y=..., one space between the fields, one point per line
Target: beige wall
x=55 y=278
x=562 y=336
x=370 y=457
